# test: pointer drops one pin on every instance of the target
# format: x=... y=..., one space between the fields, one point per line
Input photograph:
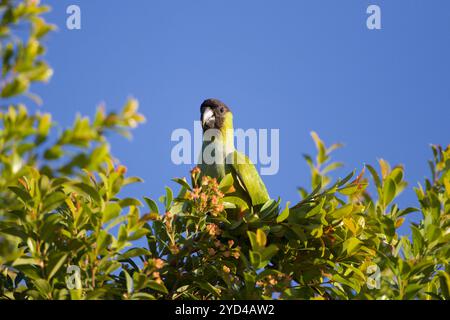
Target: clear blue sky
x=293 y=65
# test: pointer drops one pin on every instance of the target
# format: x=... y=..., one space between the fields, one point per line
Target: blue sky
x=293 y=65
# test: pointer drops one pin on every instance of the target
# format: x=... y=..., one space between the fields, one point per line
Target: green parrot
x=218 y=141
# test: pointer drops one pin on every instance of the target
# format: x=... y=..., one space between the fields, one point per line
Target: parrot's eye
x=222 y=110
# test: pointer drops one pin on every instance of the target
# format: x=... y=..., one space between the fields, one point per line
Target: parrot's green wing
x=249 y=179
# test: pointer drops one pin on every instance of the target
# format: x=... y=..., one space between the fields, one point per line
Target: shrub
x=65 y=232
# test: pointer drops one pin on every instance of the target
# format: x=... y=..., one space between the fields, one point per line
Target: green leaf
x=444 y=280
x=269 y=252
x=53 y=201
x=131 y=180
x=418 y=241
x=129 y=202
x=226 y=183
x=238 y=202
x=252 y=237
x=43 y=287
x=25 y=261
x=411 y=290
x=183 y=183
x=322 y=153
x=45 y=123
x=123 y=234
x=432 y=232
x=407 y=211
x=342 y=182
x=261 y=238
x=129 y=282
x=98 y=155
x=284 y=214
x=353 y=188
x=353 y=285
x=316 y=230
x=142 y=296
x=103 y=240
x=54 y=153
x=112 y=211
x=19 y=85
x=351 y=245
x=255 y=259
x=317 y=209
x=152 y=205
x=332 y=166
x=138 y=234
x=397 y=175
x=208 y=287
x=157 y=286
x=115 y=222
x=88 y=191
x=56 y=265
x=342 y=212
x=375 y=176
x=135 y=252
x=389 y=191
x=22 y=194
x=168 y=198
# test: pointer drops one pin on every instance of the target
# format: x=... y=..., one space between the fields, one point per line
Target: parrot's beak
x=208 y=118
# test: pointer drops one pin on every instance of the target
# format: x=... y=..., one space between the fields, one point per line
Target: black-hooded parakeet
x=218 y=136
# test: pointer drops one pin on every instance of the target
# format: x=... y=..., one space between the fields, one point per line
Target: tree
x=65 y=233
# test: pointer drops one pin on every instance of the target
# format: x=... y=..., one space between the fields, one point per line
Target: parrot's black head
x=214 y=114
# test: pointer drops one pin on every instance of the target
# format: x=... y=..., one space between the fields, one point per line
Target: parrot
x=218 y=135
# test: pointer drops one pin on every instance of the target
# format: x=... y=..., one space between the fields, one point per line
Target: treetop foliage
x=66 y=232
